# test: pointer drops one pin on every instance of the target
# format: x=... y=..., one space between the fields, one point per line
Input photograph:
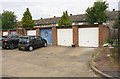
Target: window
x=31 y=37
x=39 y=38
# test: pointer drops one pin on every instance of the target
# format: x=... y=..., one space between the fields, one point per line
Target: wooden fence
x=113 y=33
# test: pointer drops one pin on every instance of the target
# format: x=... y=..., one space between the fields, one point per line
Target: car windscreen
x=15 y=36
x=23 y=39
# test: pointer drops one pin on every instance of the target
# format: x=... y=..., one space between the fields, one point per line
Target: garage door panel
x=88 y=37
x=5 y=33
x=31 y=32
x=46 y=34
x=65 y=37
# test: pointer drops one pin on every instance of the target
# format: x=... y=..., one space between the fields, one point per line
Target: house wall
x=110 y=23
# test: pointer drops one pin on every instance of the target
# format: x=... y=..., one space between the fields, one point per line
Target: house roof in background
x=74 y=18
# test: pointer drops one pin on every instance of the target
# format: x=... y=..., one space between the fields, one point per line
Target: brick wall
x=38 y=32
x=103 y=34
x=0 y=32
x=100 y=35
x=75 y=35
x=25 y=32
x=20 y=31
x=54 y=36
x=9 y=32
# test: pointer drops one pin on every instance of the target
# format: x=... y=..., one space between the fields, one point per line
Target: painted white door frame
x=31 y=32
x=5 y=33
x=65 y=37
x=88 y=37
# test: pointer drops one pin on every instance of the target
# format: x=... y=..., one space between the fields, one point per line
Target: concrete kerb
x=98 y=71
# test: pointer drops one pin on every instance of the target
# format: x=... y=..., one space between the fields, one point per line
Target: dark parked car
x=10 y=41
x=31 y=42
x=1 y=40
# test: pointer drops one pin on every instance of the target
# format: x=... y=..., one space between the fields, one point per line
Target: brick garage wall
x=9 y=32
x=38 y=32
x=0 y=32
x=54 y=36
x=20 y=31
x=103 y=34
x=75 y=35
x=25 y=32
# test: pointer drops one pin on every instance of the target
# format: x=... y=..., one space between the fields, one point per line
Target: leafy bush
x=113 y=42
x=110 y=41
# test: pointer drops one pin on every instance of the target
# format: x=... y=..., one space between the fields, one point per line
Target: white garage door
x=88 y=37
x=65 y=37
x=31 y=32
x=5 y=33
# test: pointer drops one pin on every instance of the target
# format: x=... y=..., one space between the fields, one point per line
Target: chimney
x=113 y=9
x=54 y=16
x=70 y=14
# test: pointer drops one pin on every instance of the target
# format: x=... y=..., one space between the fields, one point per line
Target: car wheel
x=45 y=44
x=19 y=48
x=30 y=48
x=3 y=47
x=11 y=46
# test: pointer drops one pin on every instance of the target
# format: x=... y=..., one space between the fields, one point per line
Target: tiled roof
x=74 y=18
x=112 y=15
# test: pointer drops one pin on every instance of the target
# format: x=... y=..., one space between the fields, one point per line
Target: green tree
x=27 y=21
x=117 y=22
x=97 y=13
x=65 y=21
x=8 y=20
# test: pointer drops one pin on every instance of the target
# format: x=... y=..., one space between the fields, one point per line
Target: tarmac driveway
x=51 y=61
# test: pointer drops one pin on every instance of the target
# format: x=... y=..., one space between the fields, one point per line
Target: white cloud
x=50 y=8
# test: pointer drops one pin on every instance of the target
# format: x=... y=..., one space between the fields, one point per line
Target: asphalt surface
x=51 y=61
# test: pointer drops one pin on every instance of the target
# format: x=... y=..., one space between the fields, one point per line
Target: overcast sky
x=50 y=8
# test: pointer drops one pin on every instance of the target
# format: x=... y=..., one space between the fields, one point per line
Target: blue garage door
x=46 y=34
x=13 y=32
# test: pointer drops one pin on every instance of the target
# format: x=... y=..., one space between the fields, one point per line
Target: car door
x=35 y=41
x=14 y=40
x=40 y=42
